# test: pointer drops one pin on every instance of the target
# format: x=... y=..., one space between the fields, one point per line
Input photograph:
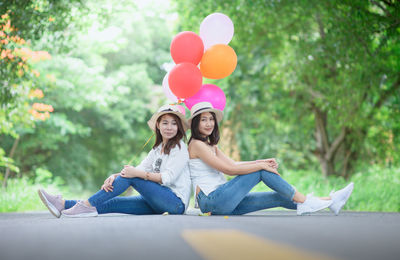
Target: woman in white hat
x=162 y=178
x=220 y=197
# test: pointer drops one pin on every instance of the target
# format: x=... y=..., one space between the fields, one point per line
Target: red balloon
x=187 y=47
x=185 y=80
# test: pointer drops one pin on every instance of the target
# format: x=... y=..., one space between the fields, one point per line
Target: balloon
x=210 y=93
x=216 y=28
x=185 y=80
x=181 y=109
x=218 y=62
x=187 y=47
x=167 y=90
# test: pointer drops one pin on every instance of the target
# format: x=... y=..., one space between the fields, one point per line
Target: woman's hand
x=271 y=162
x=107 y=186
x=266 y=166
x=129 y=172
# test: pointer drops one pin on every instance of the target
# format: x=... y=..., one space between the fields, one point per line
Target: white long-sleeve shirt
x=174 y=169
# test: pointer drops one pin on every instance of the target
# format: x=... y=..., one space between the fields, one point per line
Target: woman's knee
x=256 y=175
x=270 y=175
x=122 y=182
x=120 y=178
x=179 y=210
x=124 y=179
x=267 y=172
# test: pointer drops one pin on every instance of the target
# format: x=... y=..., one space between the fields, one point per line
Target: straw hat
x=167 y=109
x=202 y=107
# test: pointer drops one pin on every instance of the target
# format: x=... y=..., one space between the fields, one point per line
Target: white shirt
x=174 y=169
x=204 y=176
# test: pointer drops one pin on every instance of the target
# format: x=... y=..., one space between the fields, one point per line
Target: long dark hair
x=174 y=140
x=212 y=139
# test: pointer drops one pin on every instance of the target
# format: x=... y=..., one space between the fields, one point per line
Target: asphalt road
x=263 y=235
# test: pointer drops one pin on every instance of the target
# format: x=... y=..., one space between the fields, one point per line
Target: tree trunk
x=228 y=143
x=326 y=150
x=327 y=166
x=346 y=164
x=15 y=144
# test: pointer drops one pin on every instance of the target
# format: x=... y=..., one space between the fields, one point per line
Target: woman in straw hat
x=220 y=197
x=162 y=178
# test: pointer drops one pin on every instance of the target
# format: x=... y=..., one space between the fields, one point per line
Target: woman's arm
x=227 y=159
x=146 y=164
x=271 y=162
x=225 y=164
x=142 y=170
x=172 y=167
x=132 y=172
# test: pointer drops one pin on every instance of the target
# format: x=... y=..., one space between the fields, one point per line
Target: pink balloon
x=210 y=93
x=181 y=109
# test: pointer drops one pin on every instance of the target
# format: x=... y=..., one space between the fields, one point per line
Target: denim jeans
x=233 y=197
x=153 y=199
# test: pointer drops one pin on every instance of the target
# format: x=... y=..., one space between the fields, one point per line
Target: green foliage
x=7 y=162
x=375 y=188
x=34 y=18
x=340 y=58
x=30 y=21
x=21 y=23
x=44 y=177
x=103 y=92
x=297 y=58
x=21 y=194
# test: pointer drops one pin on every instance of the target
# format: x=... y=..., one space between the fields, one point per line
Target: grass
x=375 y=189
x=21 y=194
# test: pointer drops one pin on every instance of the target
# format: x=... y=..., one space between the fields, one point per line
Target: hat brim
x=153 y=120
x=218 y=114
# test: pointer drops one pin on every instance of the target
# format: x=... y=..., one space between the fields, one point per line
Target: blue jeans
x=233 y=197
x=153 y=199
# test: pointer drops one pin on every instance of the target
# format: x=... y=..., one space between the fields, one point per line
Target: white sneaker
x=340 y=198
x=312 y=204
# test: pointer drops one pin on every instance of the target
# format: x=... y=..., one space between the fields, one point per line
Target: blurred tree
x=17 y=87
x=103 y=91
x=321 y=77
x=30 y=19
x=20 y=23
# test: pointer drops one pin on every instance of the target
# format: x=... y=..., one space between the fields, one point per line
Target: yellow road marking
x=234 y=244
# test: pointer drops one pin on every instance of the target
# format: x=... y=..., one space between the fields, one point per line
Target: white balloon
x=167 y=90
x=216 y=28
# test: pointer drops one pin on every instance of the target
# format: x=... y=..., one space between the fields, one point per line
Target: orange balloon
x=219 y=61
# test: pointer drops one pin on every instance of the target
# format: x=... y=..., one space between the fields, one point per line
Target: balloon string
x=180 y=101
x=148 y=140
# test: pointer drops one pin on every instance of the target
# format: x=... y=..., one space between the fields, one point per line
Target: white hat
x=167 y=109
x=202 y=107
